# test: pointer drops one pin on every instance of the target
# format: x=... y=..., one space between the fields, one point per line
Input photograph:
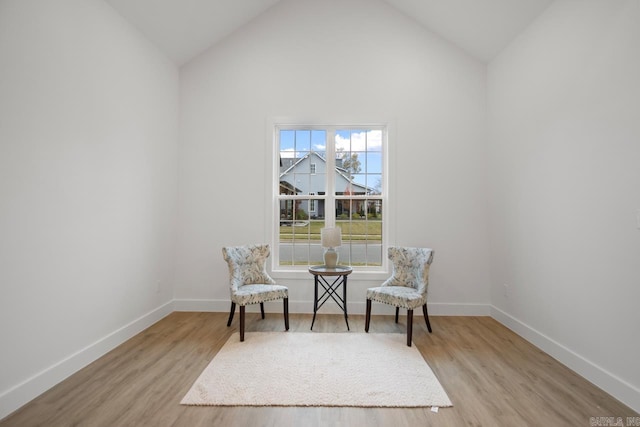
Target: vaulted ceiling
x=185 y=28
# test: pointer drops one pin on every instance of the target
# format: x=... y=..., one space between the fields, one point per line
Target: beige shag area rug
x=318 y=369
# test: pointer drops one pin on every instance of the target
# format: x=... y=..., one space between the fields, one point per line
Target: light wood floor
x=493 y=377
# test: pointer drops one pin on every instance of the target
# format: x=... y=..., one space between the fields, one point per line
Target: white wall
x=88 y=124
x=347 y=61
x=564 y=114
x=88 y=140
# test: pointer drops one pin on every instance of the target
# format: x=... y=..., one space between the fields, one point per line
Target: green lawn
x=370 y=230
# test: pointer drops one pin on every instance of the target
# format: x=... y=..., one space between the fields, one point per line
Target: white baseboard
x=31 y=388
x=616 y=387
x=435 y=309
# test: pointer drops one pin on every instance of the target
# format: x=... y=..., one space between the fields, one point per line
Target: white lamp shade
x=331 y=237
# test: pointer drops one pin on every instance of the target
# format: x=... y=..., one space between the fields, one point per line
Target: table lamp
x=331 y=238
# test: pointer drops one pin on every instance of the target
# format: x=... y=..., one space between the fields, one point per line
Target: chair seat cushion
x=256 y=293
x=398 y=296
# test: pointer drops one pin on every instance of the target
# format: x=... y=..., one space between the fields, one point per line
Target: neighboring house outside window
x=329 y=176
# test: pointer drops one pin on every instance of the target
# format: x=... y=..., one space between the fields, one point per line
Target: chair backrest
x=410 y=267
x=247 y=265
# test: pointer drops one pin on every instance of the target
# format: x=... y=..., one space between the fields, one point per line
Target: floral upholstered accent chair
x=407 y=287
x=249 y=282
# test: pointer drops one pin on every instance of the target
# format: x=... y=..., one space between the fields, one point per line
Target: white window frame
x=272 y=191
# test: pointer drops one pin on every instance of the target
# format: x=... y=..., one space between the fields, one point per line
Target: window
x=329 y=176
x=312 y=205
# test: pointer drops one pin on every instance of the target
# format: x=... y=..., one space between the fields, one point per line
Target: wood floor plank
x=492 y=376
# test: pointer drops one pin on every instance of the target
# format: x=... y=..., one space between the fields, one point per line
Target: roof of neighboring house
x=342 y=171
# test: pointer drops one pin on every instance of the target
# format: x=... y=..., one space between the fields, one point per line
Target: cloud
x=360 y=141
x=287 y=153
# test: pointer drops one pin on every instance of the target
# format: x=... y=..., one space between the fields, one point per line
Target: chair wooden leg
x=409 y=326
x=242 y=323
x=233 y=310
x=262 y=309
x=368 y=316
x=286 y=313
x=397 y=310
x=426 y=317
